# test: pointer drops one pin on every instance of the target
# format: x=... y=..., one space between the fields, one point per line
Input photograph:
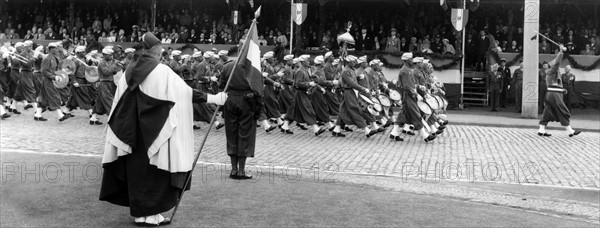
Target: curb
x=517 y=126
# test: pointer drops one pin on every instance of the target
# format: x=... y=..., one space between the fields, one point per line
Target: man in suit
x=364 y=41
x=51 y=35
x=494 y=83
x=483 y=44
x=505 y=71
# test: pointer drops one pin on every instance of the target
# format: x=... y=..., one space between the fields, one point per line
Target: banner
x=459 y=18
x=299 y=12
x=235 y=15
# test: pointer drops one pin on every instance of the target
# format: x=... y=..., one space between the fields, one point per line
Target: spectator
x=121 y=36
x=595 y=45
x=327 y=41
x=393 y=42
x=483 y=45
x=437 y=46
x=544 y=49
x=413 y=46
x=281 y=40
x=403 y=45
x=262 y=41
x=103 y=38
x=112 y=37
x=28 y=36
x=192 y=38
x=50 y=35
x=166 y=39
x=107 y=24
x=364 y=41
x=514 y=48
x=588 y=50
x=175 y=39
x=448 y=48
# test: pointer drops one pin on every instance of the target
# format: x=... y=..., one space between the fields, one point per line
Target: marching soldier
x=271 y=81
x=50 y=98
x=331 y=95
x=363 y=80
x=106 y=87
x=25 y=91
x=554 y=105
x=82 y=94
x=318 y=93
x=286 y=95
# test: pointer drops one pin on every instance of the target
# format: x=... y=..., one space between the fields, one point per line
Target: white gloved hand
x=218 y=99
x=265 y=74
x=280 y=74
x=361 y=76
x=76 y=84
x=276 y=84
x=336 y=82
x=214 y=79
x=312 y=84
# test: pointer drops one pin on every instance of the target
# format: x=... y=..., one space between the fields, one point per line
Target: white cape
x=173 y=149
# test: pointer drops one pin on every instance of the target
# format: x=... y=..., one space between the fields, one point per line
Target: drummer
x=375 y=81
x=82 y=93
x=363 y=80
x=424 y=89
x=106 y=86
x=50 y=97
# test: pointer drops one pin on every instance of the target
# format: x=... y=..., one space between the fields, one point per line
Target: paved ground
x=463 y=153
x=62 y=196
x=586 y=119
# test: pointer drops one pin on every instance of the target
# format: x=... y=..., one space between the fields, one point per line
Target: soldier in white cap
x=205 y=76
x=363 y=80
x=83 y=93
x=302 y=111
x=15 y=68
x=331 y=95
x=286 y=95
x=351 y=112
x=223 y=57
x=50 y=97
x=271 y=81
x=176 y=65
x=25 y=90
x=106 y=87
x=318 y=93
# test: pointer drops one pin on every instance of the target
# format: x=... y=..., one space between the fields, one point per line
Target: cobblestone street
x=462 y=153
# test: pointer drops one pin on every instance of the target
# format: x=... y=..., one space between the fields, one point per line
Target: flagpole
x=462 y=75
x=291 y=25
x=212 y=119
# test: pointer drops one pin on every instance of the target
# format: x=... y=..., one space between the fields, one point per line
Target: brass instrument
x=21 y=58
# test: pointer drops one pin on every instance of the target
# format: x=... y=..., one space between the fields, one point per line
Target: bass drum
x=117 y=77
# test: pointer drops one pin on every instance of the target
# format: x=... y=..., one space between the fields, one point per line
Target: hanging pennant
x=299 y=12
x=459 y=18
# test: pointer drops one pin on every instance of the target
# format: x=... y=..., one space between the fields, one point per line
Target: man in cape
x=149 y=140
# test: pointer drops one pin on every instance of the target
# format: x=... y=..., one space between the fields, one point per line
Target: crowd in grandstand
x=415 y=28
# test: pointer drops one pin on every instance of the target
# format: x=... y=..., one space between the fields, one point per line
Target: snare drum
x=385 y=102
x=424 y=107
x=395 y=95
x=432 y=102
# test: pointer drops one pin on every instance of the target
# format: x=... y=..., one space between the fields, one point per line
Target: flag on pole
x=299 y=12
x=249 y=58
x=459 y=18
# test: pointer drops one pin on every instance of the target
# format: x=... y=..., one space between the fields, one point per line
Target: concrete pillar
x=153 y=14
x=530 y=59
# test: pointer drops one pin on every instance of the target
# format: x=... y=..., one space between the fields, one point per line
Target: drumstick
x=551 y=41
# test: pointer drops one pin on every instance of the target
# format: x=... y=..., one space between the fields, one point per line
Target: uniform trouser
x=240 y=125
x=519 y=95
x=504 y=97
x=494 y=98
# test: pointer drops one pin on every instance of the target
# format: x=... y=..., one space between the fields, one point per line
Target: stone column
x=530 y=59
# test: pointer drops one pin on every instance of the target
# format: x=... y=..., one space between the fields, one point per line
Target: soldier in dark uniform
x=240 y=112
x=175 y=63
x=286 y=95
x=205 y=76
x=351 y=112
x=506 y=79
x=494 y=83
x=25 y=91
x=568 y=80
x=517 y=85
x=271 y=80
x=363 y=80
x=13 y=79
x=302 y=111
x=554 y=105
x=50 y=97
x=331 y=95
x=106 y=87
x=317 y=95
x=404 y=80
x=82 y=95
x=4 y=77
